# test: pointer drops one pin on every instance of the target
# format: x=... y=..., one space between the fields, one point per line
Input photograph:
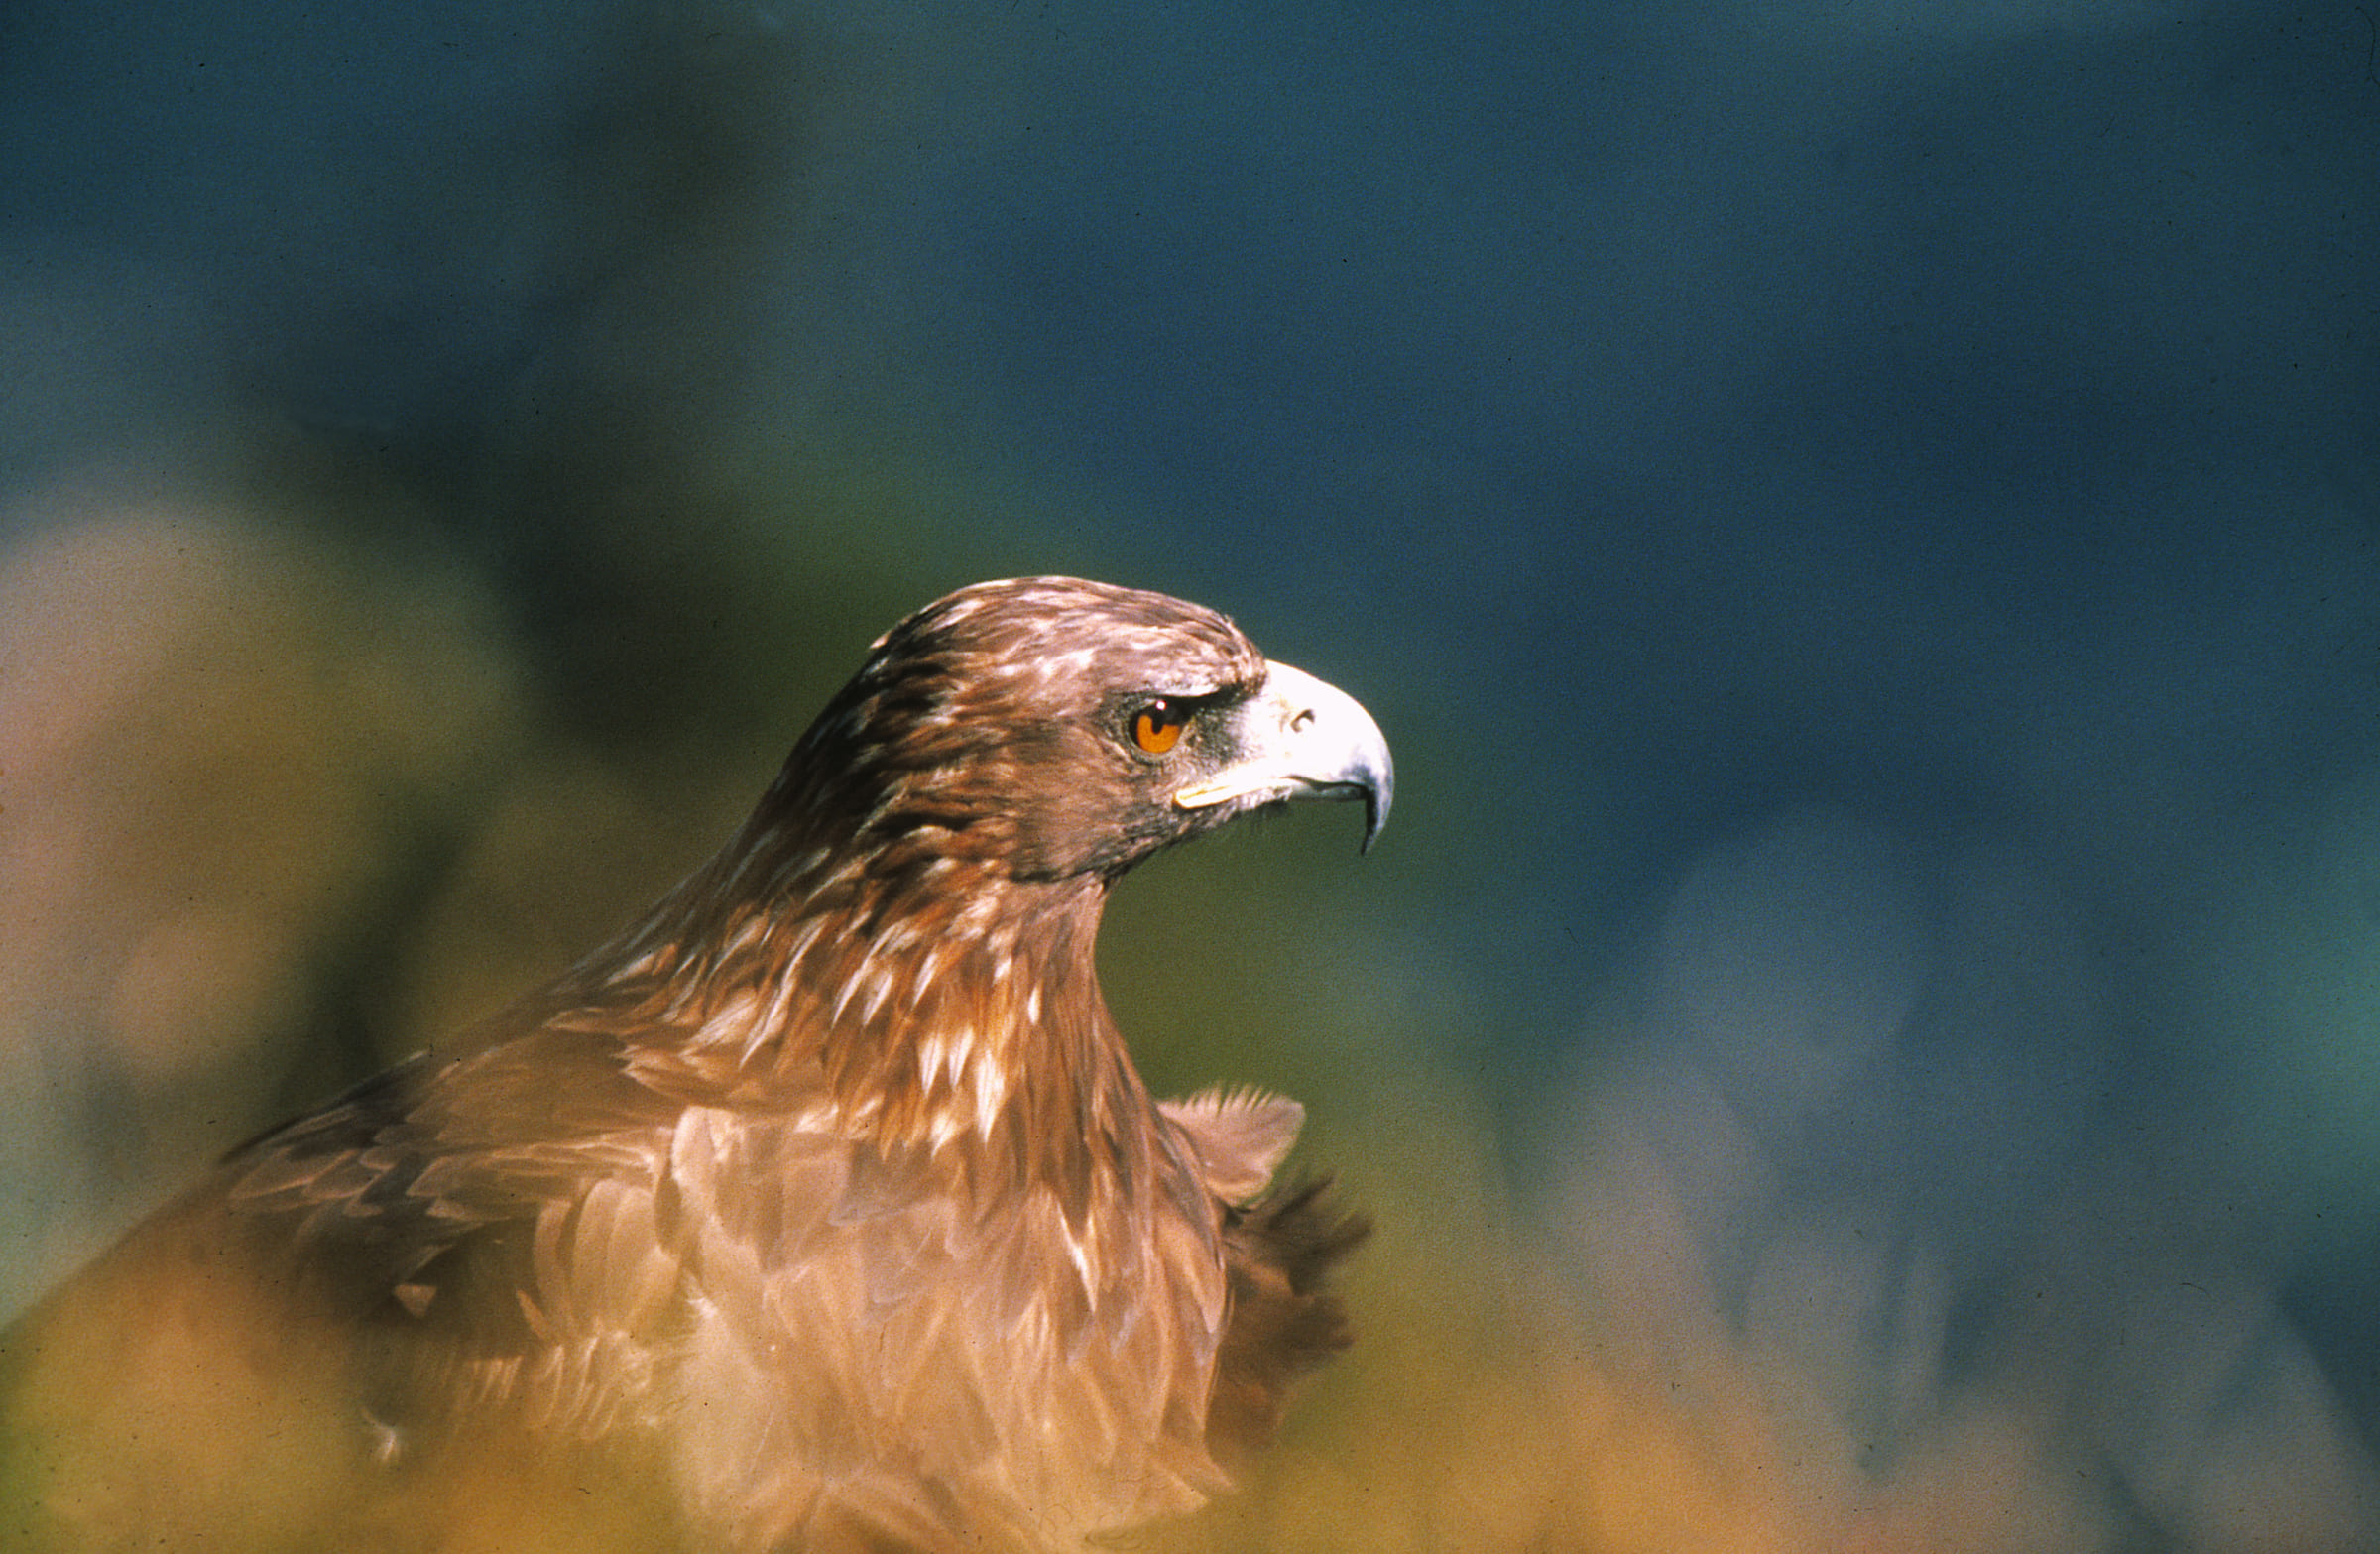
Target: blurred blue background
x=1861 y=522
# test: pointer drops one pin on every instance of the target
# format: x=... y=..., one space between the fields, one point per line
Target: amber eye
x=1157 y=727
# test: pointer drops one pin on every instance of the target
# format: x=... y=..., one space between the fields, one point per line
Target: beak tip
x=1376 y=797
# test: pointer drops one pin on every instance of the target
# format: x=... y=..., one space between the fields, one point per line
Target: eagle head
x=1053 y=728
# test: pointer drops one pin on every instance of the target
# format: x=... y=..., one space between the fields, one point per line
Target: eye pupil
x=1157 y=727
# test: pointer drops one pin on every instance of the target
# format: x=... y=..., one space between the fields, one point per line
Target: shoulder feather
x=1238 y=1136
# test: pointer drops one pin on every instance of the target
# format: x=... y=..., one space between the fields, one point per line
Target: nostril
x=1300 y=722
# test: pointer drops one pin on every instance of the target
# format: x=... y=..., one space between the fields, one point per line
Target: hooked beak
x=1301 y=738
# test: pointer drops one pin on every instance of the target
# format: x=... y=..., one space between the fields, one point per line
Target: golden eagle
x=822 y=1209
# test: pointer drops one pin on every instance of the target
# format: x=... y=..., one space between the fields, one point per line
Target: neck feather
x=921 y=997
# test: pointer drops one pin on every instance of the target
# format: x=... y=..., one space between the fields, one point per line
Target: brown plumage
x=824 y=1209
